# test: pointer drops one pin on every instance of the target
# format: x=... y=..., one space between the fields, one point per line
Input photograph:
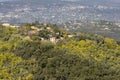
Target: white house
x=54 y=40
x=6 y=24
x=35 y=28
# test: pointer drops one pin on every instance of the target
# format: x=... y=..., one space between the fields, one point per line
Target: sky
x=5 y=0
x=116 y=1
x=8 y=0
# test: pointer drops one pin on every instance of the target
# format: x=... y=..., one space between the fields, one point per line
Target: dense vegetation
x=28 y=54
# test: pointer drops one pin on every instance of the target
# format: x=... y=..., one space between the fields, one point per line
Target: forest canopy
x=47 y=52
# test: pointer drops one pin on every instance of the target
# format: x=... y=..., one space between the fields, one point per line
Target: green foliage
x=11 y=69
x=101 y=56
x=6 y=32
x=44 y=34
x=82 y=57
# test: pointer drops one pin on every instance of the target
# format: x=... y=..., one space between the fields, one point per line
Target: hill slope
x=28 y=53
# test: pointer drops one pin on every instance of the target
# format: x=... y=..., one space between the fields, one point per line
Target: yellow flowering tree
x=11 y=68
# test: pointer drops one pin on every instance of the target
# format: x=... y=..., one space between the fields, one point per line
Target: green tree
x=10 y=68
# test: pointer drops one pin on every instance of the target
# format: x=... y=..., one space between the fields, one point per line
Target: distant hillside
x=105 y=28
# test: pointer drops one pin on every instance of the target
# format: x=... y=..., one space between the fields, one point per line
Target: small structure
x=6 y=24
x=42 y=38
x=12 y=26
x=54 y=40
x=45 y=24
x=106 y=28
x=35 y=28
x=48 y=28
x=9 y=25
x=70 y=36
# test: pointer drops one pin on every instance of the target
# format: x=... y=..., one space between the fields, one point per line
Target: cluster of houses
x=36 y=30
x=52 y=38
x=9 y=25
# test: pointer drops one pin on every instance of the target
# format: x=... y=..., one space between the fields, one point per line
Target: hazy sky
x=5 y=0
x=117 y=1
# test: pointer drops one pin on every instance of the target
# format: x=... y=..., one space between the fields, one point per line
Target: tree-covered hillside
x=46 y=52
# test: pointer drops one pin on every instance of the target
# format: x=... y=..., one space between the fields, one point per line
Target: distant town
x=56 y=12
